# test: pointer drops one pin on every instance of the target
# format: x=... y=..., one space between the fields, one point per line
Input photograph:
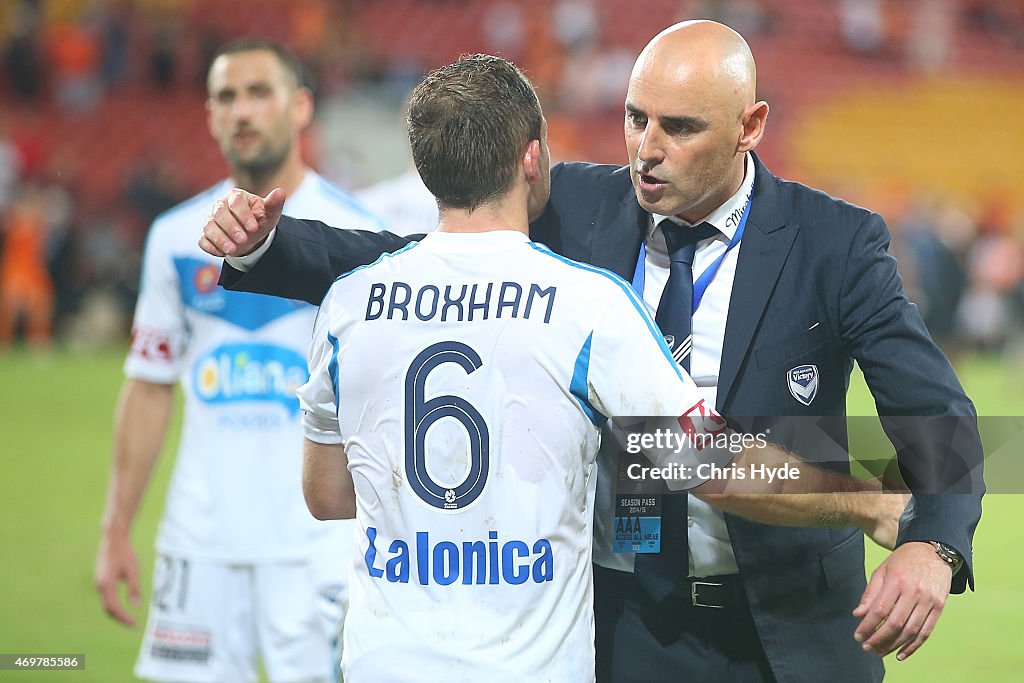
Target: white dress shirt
x=710 y=550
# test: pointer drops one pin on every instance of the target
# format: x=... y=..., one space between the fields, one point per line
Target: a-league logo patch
x=803 y=383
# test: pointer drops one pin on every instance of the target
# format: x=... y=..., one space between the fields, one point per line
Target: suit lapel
x=618 y=232
x=620 y=227
x=767 y=243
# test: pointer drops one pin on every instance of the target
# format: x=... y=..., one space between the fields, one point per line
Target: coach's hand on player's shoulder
x=240 y=222
x=116 y=563
x=903 y=600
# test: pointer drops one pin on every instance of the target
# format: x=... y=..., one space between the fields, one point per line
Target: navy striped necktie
x=675 y=310
x=659 y=573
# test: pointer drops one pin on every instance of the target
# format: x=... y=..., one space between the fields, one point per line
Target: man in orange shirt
x=26 y=289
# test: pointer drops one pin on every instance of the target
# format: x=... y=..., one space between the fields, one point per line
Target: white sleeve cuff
x=245 y=263
x=322 y=430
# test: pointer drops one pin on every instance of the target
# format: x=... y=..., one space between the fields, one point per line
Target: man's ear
x=302 y=108
x=532 y=161
x=209 y=118
x=754 y=119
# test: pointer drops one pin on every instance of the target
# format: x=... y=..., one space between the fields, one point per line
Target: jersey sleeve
x=631 y=370
x=318 y=397
x=634 y=380
x=159 y=329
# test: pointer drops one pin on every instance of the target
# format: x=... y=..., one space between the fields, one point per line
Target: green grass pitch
x=56 y=433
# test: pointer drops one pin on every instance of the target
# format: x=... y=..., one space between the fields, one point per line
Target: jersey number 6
x=420 y=414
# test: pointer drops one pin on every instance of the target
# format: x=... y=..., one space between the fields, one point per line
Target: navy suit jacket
x=814 y=285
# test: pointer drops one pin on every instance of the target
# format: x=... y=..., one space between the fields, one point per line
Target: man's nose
x=650 y=151
x=241 y=108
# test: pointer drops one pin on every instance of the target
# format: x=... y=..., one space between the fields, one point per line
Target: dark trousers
x=639 y=641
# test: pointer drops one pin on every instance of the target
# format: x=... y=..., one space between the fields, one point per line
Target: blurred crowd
x=964 y=268
x=69 y=263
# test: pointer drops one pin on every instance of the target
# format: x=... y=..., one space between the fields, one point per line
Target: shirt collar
x=727 y=216
x=475 y=240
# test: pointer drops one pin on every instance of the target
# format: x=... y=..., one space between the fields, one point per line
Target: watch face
x=948 y=555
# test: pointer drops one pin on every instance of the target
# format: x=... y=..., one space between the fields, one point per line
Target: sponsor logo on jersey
x=481 y=562
x=205 y=278
x=701 y=420
x=200 y=292
x=151 y=344
x=236 y=373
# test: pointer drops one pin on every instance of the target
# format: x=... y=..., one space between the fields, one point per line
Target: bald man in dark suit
x=790 y=287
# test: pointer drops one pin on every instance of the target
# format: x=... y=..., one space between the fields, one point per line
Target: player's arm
x=763 y=481
x=633 y=374
x=326 y=481
x=283 y=256
x=813 y=497
x=143 y=413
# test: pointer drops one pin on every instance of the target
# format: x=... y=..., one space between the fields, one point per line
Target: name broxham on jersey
x=467 y=377
x=236 y=489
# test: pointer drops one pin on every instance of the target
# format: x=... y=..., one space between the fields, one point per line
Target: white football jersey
x=236 y=492
x=467 y=377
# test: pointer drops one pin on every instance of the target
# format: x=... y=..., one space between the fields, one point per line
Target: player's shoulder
x=197 y=205
x=334 y=205
x=183 y=222
x=385 y=262
x=346 y=298
x=600 y=281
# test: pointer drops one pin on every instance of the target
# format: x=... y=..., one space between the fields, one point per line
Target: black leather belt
x=713 y=592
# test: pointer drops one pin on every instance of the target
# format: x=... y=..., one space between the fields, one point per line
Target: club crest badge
x=803 y=383
x=670 y=340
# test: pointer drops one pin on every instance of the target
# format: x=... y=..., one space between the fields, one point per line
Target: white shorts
x=212 y=622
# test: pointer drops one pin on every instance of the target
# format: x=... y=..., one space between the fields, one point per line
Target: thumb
x=874 y=585
x=273 y=204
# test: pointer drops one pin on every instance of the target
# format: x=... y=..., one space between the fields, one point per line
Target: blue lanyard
x=702 y=283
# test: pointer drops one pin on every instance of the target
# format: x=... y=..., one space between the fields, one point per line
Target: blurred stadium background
x=909 y=107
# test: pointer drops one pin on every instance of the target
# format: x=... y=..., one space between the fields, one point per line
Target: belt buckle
x=695 y=600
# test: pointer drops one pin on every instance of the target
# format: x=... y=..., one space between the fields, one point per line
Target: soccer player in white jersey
x=457 y=388
x=243 y=571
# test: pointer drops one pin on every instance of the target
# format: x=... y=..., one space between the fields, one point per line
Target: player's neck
x=288 y=177
x=507 y=213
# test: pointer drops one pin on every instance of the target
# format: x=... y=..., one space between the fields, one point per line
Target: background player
x=242 y=568
x=403 y=203
x=469 y=443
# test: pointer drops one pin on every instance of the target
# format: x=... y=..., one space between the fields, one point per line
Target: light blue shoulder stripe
x=380 y=259
x=579 y=386
x=628 y=291
x=332 y=369
x=351 y=202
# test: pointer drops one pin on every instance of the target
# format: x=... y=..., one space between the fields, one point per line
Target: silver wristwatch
x=948 y=555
